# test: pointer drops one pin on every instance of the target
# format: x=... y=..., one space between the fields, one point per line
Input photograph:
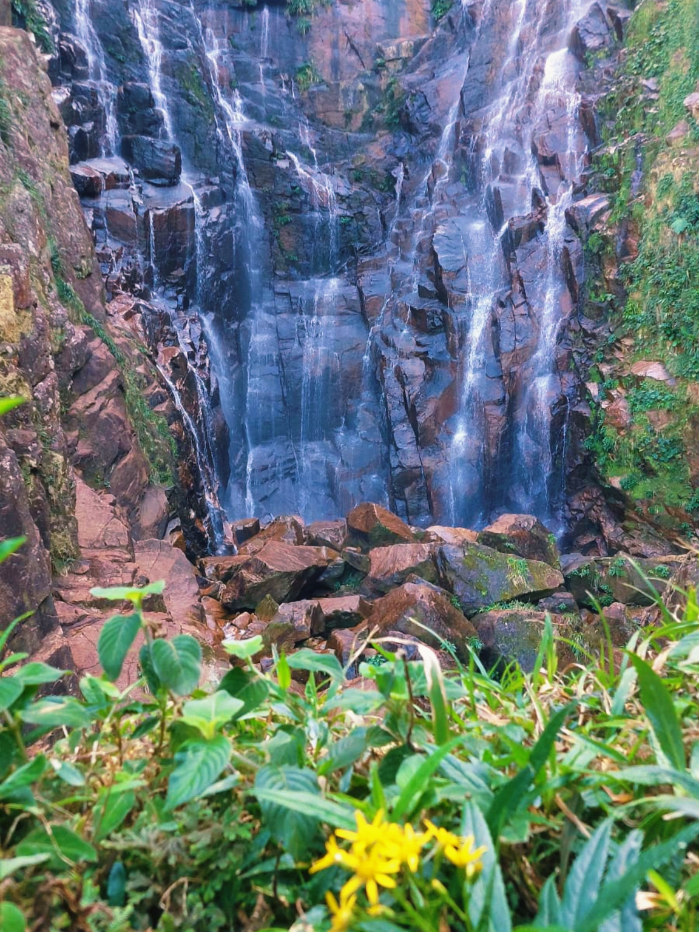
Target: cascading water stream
x=106 y=91
x=146 y=20
x=507 y=128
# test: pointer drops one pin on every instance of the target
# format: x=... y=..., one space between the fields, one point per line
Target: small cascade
x=202 y=433
x=507 y=169
x=322 y=198
x=86 y=33
x=145 y=16
x=264 y=46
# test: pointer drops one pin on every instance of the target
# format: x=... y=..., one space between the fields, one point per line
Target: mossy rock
x=480 y=576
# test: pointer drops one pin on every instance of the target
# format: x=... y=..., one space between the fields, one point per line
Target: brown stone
x=390 y=566
x=294 y=622
x=288 y=529
x=245 y=528
x=448 y=535
x=511 y=635
x=279 y=570
x=374 y=526
x=426 y=612
x=327 y=534
x=99 y=525
x=692 y=104
x=158 y=559
x=344 y=611
x=523 y=535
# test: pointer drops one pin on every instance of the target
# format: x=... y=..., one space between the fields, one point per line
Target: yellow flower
x=403 y=843
x=442 y=836
x=465 y=856
x=368 y=833
x=334 y=855
x=341 y=912
x=371 y=870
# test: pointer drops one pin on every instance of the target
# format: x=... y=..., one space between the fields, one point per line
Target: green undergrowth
x=561 y=800
x=152 y=431
x=650 y=459
x=26 y=14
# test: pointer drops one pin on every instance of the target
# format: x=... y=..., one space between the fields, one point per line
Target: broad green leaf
x=208 y=713
x=283 y=673
x=334 y=814
x=116 y=885
x=660 y=710
x=9 y=866
x=63 y=841
x=246 y=649
x=198 y=766
x=487 y=905
x=252 y=690
x=585 y=879
x=55 y=711
x=415 y=787
x=128 y=593
x=305 y=659
x=9 y=404
x=177 y=663
x=688 y=807
x=615 y=893
x=115 y=641
x=627 y=918
x=111 y=810
x=10 y=691
x=549 y=906
x=344 y=752
x=23 y=776
x=5 y=635
x=360 y=701
x=36 y=674
x=11 y=919
x=145 y=659
x=293 y=823
x=67 y=772
x=651 y=775
x=9 y=546
x=221 y=786
x=679 y=226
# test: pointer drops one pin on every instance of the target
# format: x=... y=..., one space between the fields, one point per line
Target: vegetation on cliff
x=649 y=165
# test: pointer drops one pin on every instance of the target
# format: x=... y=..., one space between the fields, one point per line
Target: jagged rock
x=158 y=161
x=678 y=134
x=245 y=528
x=293 y=623
x=87 y=181
x=607 y=579
x=515 y=635
x=584 y=214
x=279 y=570
x=390 y=566
x=344 y=611
x=684 y=578
x=448 y=535
x=692 y=104
x=591 y=34
x=418 y=609
x=288 y=530
x=479 y=576
x=374 y=526
x=99 y=525
x=136 y=111
x=523 y=535
x=327 y=534
x=158 y=559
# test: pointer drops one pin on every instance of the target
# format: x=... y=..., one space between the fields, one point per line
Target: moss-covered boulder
x=514 y=635
x=522 y=535
x=480 y=576
x=625 y=579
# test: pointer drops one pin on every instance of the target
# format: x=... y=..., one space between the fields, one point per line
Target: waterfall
x=86 y=33
x=507 y=135
x=145 y=17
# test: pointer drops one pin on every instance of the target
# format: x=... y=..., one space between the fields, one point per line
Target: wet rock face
x=380 y=221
